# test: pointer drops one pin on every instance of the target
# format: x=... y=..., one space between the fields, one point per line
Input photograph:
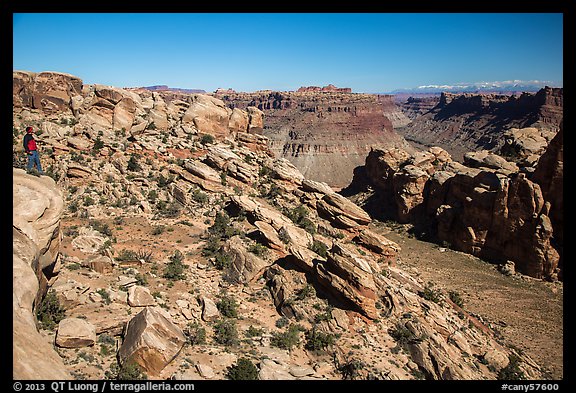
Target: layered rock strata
x=460 y=123
x=325 y=134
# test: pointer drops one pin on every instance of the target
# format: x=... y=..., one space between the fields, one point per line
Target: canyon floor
x=526 y=313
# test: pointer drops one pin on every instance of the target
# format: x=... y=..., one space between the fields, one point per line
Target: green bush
x=258 y=249
x=207 y=139
x=243 y=370
x=49 y=313
x=403 y=336
x=287 y=339
x=129 y=371
x=456 y=298
x=431 y=294
x=317 y=340
x=196 y=334
x=174 y=269
x=226 y=332
x=133 y=164
x=319 y=248
x=227 y=306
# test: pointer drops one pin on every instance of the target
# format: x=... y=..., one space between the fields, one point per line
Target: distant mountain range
x=480 y=87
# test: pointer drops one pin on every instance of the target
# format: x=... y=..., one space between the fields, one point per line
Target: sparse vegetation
x=226 y=332
x=512 y=371
x=49 y=313
x=228 y=306
x=196 y=334
x=174 y=269
x=243 y=370
x=317 y=340
x=288 y=338
x=429 y=293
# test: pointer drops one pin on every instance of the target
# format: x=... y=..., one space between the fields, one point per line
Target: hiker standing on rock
x=32 y=151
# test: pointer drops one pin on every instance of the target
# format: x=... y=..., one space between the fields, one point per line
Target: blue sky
x=282 y=51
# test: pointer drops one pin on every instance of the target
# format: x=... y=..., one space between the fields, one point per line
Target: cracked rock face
x=37 y=208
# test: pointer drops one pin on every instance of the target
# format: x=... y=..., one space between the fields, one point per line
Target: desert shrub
x=286 y=339
x=133 y=164
x=431 y=294
x=222 y=226
x=49 y=313
x=324 y=316
x=174 y=269
x=281 y=322
x=307 y=291
x=512 y=371
x=126 y=255
x=101 y=227
x=319 y=248
x=170 y=210
x=350 y=370
x=196 y=334
x=158 y=230
x=258 y=249
x=227 y=306
x=299 y=216
x=129 y=371
x=403 y=336
x=226 y=332
x=243 y=370
x=199 y=196
x=456 y=298
x=207 y=139
x=105 y=295
x=254 y=332
x=317 y=340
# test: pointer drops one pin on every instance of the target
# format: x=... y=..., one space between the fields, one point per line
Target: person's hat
x=29 y=129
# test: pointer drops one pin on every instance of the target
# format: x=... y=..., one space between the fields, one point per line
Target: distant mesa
x=330 y=88
x=173 y=89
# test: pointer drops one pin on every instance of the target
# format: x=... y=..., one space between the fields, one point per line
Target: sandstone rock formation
x=486 y=208
x=152 y=340
x=37 y=208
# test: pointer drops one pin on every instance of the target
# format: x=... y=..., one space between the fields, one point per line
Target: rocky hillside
x=460 y=123
x=487 y=206
x=325 y=133
x=188 y=252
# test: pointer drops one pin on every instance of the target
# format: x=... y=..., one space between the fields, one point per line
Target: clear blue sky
x=283 y=51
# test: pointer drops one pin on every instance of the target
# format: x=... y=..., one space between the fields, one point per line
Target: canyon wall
x=468 y=122
x=325 y=134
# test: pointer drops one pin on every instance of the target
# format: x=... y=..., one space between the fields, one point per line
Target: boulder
x=75 y=333
x=151 y=340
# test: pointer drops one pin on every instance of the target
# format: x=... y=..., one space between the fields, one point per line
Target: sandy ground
x=526 y=313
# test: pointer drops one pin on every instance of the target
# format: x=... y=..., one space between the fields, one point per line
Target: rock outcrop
x=37 y=208
x=486 y=208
